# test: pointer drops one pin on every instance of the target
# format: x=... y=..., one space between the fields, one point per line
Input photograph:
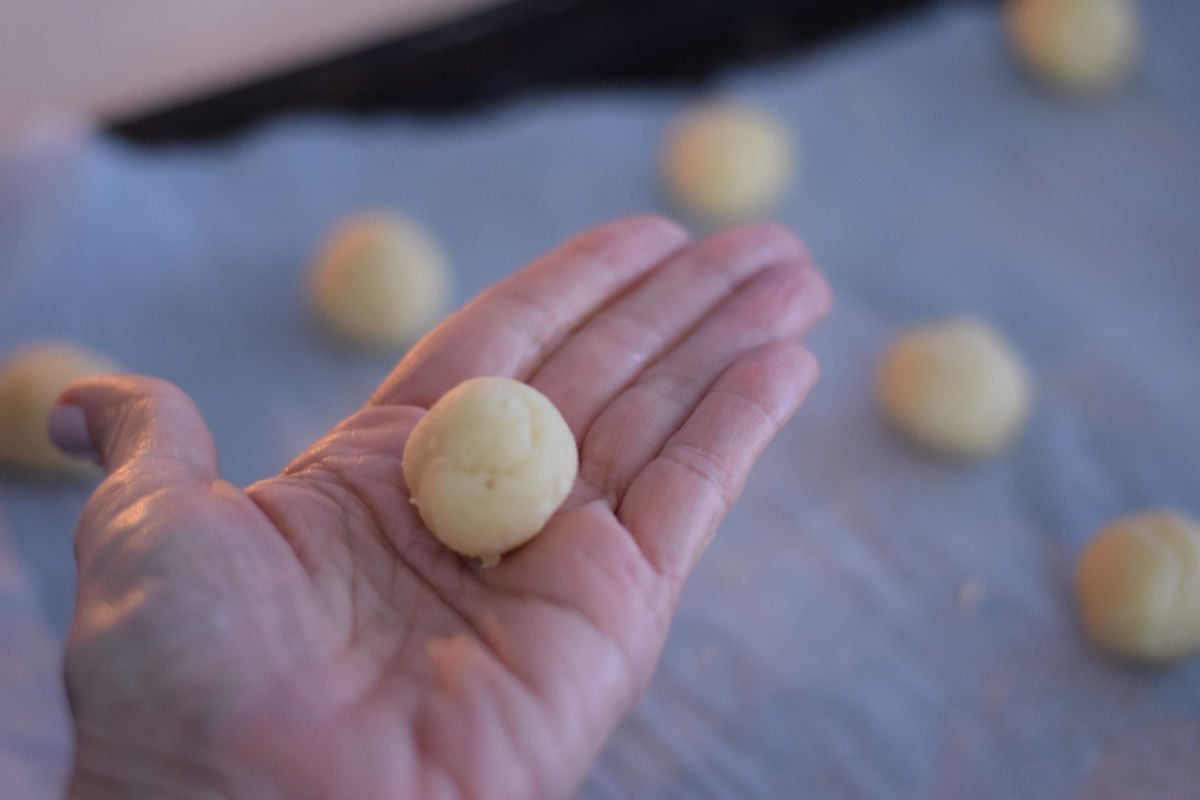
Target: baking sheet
x=870 y=623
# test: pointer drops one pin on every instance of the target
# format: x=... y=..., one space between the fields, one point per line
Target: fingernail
x=68 y=428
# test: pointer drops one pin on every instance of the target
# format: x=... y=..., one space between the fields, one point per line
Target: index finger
x=511 y=328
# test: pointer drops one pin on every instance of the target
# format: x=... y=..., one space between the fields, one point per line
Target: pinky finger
x=674 y=506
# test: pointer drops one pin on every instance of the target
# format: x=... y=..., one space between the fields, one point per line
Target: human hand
x=308 y=638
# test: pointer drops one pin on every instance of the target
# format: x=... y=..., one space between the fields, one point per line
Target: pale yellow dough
x=1081 y=47
x=1138 y=586
x=956 y=387
x=31 y=379
x=380 y=281
x=488 y=465
x=726 y=162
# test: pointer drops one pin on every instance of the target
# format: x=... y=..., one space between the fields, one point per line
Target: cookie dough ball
x=488 y=465
x=725 y=163
x=1138 y=586
x=380 y=281
x=956 y=387
x=1081 y=47
x=31 y=379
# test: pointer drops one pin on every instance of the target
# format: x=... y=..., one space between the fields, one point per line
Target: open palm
x=308 y=638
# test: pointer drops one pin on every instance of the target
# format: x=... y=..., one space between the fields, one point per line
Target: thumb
x=137 y=424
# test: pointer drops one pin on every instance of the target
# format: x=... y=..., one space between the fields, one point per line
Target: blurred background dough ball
x=1138 y=586
x=488 y=465
x=31 y=379
x=1081 y=47
x=955 y=386
x=380 y=281
x=724 y=162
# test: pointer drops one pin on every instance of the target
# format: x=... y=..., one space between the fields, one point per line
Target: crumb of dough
x=31 y=379
x=1138 y=586
x=488 y=465
x=380 y=281
x=956 y=387
x=970 y=593
x=725 y=162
